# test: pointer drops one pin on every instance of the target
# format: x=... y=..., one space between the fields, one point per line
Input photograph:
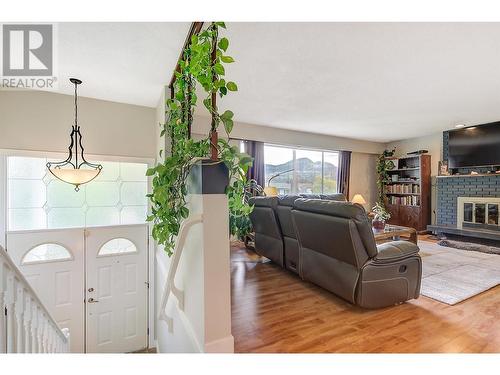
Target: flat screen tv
x=474 y=146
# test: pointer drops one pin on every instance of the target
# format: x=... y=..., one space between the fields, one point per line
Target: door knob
x=91 y=300
x=91 y=289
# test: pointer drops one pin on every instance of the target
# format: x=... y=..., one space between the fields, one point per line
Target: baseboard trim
x=224 y=345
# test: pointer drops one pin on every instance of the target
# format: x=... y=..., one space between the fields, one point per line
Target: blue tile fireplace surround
x=449 y=188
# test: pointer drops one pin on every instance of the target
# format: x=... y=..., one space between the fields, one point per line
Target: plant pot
x=378 y=224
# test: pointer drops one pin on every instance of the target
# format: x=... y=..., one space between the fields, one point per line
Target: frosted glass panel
x=117 y=246
x=21 y=167
x=133 y=214
x=27 y=218
x=66 y=218
x=103 y=216
x=133 y=172
x=37 y=200
x=102 y=194
x=46 y=253
x=110 y=171
x=26 y=193
x=61 y=194
x=133 y=193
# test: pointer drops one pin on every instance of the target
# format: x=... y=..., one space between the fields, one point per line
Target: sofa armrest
x=395 y=250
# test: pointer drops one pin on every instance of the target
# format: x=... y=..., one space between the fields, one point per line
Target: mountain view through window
x=301 y=171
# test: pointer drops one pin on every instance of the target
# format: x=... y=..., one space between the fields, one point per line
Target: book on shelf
x=411 y=200
x=403 y=189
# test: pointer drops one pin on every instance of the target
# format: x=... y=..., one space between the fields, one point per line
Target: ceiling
x=120 y=62
x=371 y=81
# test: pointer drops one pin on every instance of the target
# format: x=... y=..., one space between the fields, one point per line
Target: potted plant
x=380 y=216
x=385 y=163
x=200 y=65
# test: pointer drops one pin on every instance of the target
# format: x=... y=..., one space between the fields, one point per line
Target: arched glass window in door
x=117 y=246
x=48 y=252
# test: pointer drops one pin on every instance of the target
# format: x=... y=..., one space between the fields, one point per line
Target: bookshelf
x=409 y=192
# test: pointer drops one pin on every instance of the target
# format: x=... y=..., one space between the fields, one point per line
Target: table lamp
x=358 y=198
x=270 y=191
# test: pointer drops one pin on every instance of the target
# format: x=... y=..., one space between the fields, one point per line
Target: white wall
x=433 y=143
x=161 y=143
x=363 y=178
x=290 y=137
x=3 y=201
x=41 y=121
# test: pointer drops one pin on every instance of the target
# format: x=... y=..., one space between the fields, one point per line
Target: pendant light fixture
x=75 y=169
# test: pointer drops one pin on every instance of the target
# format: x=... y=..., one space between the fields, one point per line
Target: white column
x=201 y=319
x=3 y=287
x=34 y=328
x=217 y=275
x=19 y=313
x=27 y=322
x=39 y=332
x=11 y=320
x=45 y=338
x=67 y=345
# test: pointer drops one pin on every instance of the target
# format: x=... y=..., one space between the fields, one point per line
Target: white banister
x=28 y=326
x=170 y=286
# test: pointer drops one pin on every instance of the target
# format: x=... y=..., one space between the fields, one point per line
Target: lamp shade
x=76 y=177
x=358 y=198
x=270 y=191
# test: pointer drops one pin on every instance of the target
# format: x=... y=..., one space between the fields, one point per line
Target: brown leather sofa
x=338 y=252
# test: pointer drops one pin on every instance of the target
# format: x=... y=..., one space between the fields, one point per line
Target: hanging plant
x=202 y=63
x=384 y=164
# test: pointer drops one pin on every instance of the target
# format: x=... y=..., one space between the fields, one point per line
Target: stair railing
x=26 y=326
x=170 y=287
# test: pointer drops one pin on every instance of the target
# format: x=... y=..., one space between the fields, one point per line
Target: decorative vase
x=378 y=224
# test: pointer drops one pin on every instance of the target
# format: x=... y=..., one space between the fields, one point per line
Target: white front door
x=93 y=281
x=117 y=289
x=52 y=261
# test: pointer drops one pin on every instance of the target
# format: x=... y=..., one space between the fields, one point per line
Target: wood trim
x=194 y=29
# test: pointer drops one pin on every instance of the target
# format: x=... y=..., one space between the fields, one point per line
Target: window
x=48 y=252
x=37 y=200
x=296 y=171
x=116 y=247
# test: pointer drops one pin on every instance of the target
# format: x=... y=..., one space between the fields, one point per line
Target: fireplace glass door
x=468 y=210
x=493 y=214
x=480 y=212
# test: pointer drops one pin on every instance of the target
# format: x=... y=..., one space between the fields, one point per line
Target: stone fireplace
x=478 y=213
x=467 y=204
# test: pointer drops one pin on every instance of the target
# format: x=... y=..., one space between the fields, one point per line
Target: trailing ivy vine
x=383 y=166
x=198 y=65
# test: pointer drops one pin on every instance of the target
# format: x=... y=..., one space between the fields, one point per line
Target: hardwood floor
x=275 y=311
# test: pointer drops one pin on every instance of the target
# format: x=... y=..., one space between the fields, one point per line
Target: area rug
x=452 y=275
x=470 y=246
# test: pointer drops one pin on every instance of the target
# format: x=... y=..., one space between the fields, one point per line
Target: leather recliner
x=338 y=252
x=268 y=237
x=284 y=212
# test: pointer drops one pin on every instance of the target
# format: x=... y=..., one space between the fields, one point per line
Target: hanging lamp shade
x=75 y=169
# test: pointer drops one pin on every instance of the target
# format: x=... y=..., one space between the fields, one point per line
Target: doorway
x=93 y=281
